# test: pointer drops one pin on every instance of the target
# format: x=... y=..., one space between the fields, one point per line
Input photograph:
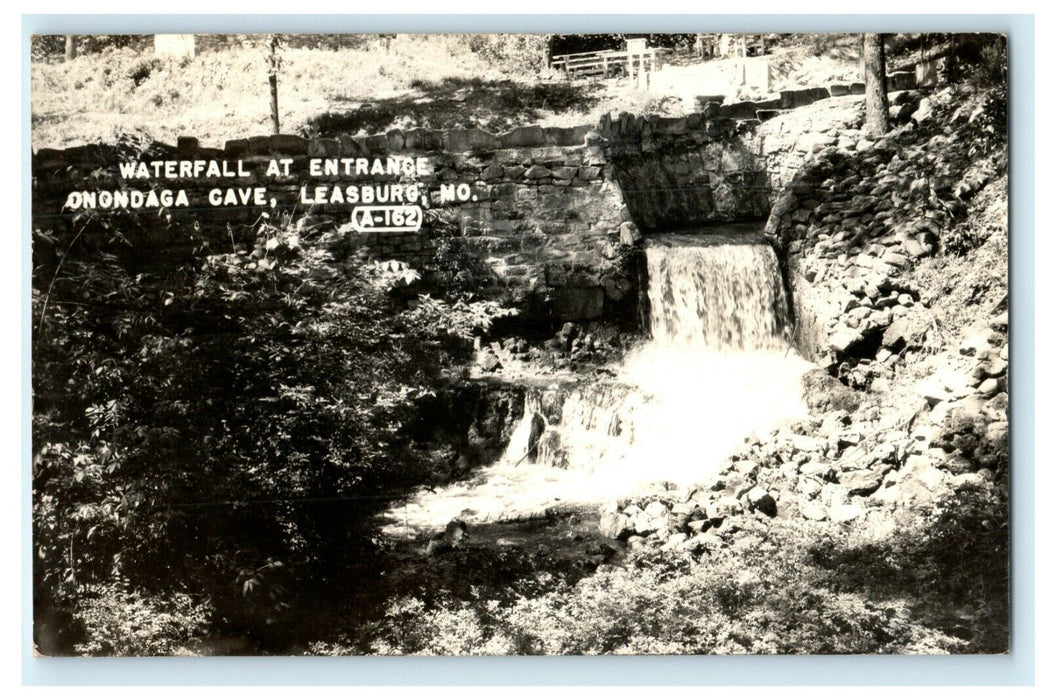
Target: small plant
x=120 y=622
x=141 y=71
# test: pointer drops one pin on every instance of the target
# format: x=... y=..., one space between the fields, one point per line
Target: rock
x=957 y=464
x=814 y=142
x=705 y=542
x=675 y=542
x=747 y=468
x=848 y=438
x=997 y=408
x=997 y=433
x=807 y=443
x=915 y=248
x=844 y=338
x=833 y=422
x=654 y=518
x=809 y=488
x=994 y=367
x=834 y=494
x=980 y=343
x=628 y=233
x=685 y=507
x=760 y=500
x=988 y=386
x=895 y=259
x=861 y=483
x=811 y=510
x=915 y=490
x=923 y=112
x=906 y=331
x=615 y=525
x=523 y=137
x=959 y=480
x=734 y=484
x=679 y=521
x=489 y=362
x=538 y=172
x=963 y=416
x=824 y=393
x=844 y=512
x=656 y=510
x=724 y=507
x=701 y=525
x=817 y=469
x=922 y=469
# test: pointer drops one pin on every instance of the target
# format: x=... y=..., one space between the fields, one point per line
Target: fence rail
x=607 y=63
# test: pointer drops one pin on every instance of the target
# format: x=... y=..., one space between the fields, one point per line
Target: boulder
x=699 y=526
x=844 y=512
x=907 y=330
x=489 y=361
x=988 y=387
x=758 y=499
x=844 y=338
x=824 y=393
x=980 y=343
x=615 y=525
x=861 y=483
x=812 y=510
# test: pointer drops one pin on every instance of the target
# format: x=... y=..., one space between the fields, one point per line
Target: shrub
x=514 y=54
x=766 y=594
x=120 y=622
x=227 y=428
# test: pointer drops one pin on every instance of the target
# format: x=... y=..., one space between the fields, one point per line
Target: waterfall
x=717 y=368
x=718 y=291
x=719 y=363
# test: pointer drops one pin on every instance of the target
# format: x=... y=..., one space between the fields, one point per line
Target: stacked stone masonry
x=549 y=209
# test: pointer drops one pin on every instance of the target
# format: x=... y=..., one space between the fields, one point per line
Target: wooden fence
x=606 y=64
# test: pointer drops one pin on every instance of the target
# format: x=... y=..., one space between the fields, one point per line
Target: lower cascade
x=717 y=368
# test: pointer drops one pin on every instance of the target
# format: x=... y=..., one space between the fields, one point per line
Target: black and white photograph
x=520 y=344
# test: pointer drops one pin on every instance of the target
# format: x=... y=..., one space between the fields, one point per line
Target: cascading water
x=717 y=368
x=719 y=362
x=716 y=292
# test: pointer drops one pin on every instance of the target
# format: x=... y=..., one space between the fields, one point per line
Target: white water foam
x=717 y=369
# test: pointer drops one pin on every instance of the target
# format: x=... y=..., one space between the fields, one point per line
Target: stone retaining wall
x=548 y=213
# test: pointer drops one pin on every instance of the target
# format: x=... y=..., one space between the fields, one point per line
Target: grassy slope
x=440 y=81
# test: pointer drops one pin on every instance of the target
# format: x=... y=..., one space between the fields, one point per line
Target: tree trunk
x=874 y=78
x=70 y=47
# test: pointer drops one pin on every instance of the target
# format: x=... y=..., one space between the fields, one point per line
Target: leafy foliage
x=227 y=429
x=939 y=585
x=128 y=623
